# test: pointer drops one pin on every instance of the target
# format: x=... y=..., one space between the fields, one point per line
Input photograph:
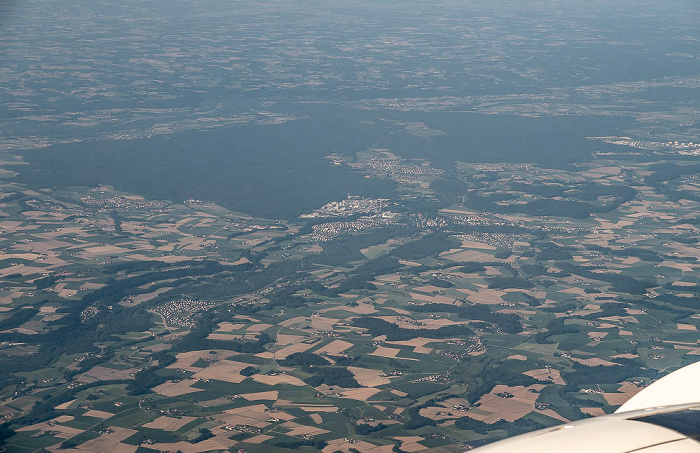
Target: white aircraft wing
x=663 y=418
x=680 y=387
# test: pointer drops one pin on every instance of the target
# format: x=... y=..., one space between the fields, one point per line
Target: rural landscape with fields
x=234 y=239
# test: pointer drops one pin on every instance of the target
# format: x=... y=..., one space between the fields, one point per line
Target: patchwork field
x=198 y=329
